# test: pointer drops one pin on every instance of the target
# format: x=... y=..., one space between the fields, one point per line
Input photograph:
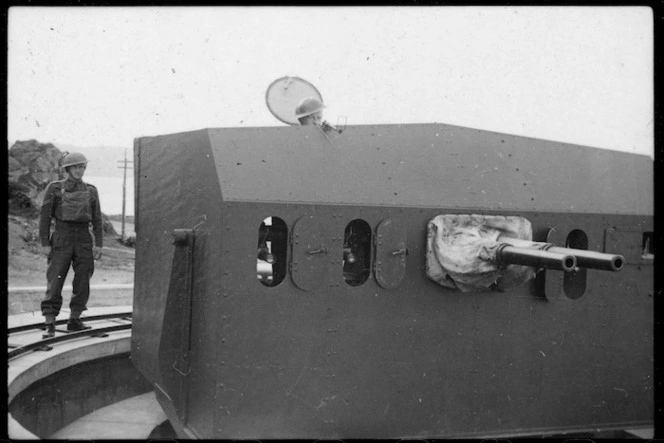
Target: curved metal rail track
x=97 y=329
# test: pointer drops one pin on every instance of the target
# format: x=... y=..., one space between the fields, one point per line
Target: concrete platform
x=36 y=318
x=133 y=419
x=29 y=369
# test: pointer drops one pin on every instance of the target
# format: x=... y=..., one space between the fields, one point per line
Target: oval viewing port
x=574 y=282
x=357 y=252
x=271 y=256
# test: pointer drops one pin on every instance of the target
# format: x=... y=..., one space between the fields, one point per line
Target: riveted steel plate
x=624 y=241
x=390 y=264
x=309 y=260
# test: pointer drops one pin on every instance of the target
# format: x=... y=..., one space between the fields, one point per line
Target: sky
x=102 y=76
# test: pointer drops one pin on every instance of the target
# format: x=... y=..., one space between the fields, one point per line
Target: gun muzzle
x=592 y=259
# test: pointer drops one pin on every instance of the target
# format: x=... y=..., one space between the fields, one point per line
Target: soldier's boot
x=75 y=324
x=50 y=330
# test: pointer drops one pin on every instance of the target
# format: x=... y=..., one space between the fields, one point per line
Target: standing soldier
x=75 y=206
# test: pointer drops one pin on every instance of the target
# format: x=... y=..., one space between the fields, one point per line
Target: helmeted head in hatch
x=310 y=111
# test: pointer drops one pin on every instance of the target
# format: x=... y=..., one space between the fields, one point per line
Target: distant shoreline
x=118 y=217
x=110 y=193
x=129 y=227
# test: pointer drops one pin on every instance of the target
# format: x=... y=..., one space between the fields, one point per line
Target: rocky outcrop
x=31 y=167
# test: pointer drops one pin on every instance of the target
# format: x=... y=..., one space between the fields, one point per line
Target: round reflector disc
x=284 y=94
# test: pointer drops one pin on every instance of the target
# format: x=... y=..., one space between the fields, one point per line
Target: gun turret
x=513 y=255
x=592 y=259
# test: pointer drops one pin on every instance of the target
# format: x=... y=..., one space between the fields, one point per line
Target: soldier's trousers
x=71 y=245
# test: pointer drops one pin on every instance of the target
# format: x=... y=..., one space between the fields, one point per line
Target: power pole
x=124 y=189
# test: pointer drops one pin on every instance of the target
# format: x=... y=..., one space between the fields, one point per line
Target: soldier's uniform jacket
x=71 y=202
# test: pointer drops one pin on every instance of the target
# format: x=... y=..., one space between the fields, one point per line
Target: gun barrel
x=513 y=255
x=592 y=259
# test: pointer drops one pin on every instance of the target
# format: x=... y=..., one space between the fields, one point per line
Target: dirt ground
x=26 y=264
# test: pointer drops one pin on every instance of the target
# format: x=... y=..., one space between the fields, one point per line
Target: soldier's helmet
x=308 y=106
x=73 y=158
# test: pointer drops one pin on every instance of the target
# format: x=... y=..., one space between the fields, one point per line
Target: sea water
x=110 y=193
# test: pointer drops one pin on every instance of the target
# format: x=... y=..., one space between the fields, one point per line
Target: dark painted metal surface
x=428 y=165
x=422 y=360
x=397 y=356
x=176 y=188
x=391 y=250
x=175 y=339
x=312 y=250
